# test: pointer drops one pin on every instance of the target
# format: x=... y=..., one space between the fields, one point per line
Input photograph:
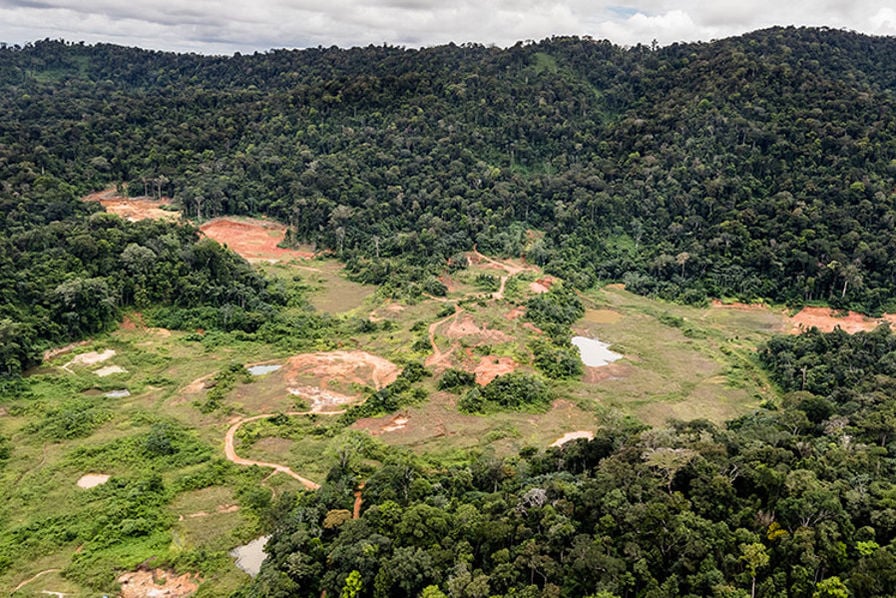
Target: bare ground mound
x=320 y=399
x=492 y=366
x=91 y=358
x=134 y=208
x=255 y=240
x=157 y=582
x=464 y=325
x=826 y=319
x=353 y=367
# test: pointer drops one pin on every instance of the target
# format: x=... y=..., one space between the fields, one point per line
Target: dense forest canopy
x=758 y=167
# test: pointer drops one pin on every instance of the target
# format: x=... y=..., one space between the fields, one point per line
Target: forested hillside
x=759 y=167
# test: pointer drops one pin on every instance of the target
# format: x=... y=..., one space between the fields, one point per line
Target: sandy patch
x=588 y=435
x=109 y=370
x=91 y=480
x=353 y=367
x=399 y=422
x=255 y=240
x=156 y=583
x=320 y=398
x=134 y=208
x=492 y=366
x=538 y=288
x=91 y=358
x=826 y=319
x=51 y=353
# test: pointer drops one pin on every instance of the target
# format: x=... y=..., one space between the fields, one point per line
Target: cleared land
x=256 y=240
x=679 y=362
x=134 y=208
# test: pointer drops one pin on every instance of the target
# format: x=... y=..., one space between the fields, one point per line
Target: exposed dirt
x=320 y=399
x=573 y=436
x=538 y=288
x=356 y=511
x=438 y=356
x=399 y=422
x=156 y=583
x=109 y=370
x=353 y=367
x=134 y=208
x=532 y=327
x=464 y=326
x=51 y=353
x=91 y=358
x=826 y=319
x=255 y=240
x=91 y=480
x=516 y=313
x=492 y=366
x=135 y=321
x=613 y=371
x=736 y=305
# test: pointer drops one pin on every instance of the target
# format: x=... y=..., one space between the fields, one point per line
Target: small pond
x=261 y=370
x=250 y=556
x=118 y=394
x=594 y=353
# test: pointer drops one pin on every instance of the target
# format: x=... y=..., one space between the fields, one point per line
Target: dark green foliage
x=555 y=310
x=453 y=380
x=558 y=360
x=511 y=392
x=750 y=167
x=5 y=449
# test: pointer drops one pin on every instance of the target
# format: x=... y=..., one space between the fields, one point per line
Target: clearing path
x=438 y=356
x=33 y=577
x=230 y=452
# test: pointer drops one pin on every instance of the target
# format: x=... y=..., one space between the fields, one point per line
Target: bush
x=511 y=392
x=453 y=379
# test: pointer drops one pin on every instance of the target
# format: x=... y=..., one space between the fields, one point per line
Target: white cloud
x=225 y=26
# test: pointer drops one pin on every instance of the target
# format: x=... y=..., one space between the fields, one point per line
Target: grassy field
x=163 y=446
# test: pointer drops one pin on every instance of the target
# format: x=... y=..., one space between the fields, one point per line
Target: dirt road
x=230 y=452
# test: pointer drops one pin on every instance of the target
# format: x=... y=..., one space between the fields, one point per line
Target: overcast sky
x=227 y=26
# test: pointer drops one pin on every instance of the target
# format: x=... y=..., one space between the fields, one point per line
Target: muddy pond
x=250 y=556
x=593 y=352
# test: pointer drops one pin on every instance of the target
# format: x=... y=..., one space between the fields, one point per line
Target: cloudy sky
x=227 y=26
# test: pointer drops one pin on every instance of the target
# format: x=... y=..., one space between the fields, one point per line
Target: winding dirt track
x=230 y=452
x=33 y=577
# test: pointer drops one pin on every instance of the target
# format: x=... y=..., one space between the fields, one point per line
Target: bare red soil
x=134 y=208
x=826 y=319
x=255 y=240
